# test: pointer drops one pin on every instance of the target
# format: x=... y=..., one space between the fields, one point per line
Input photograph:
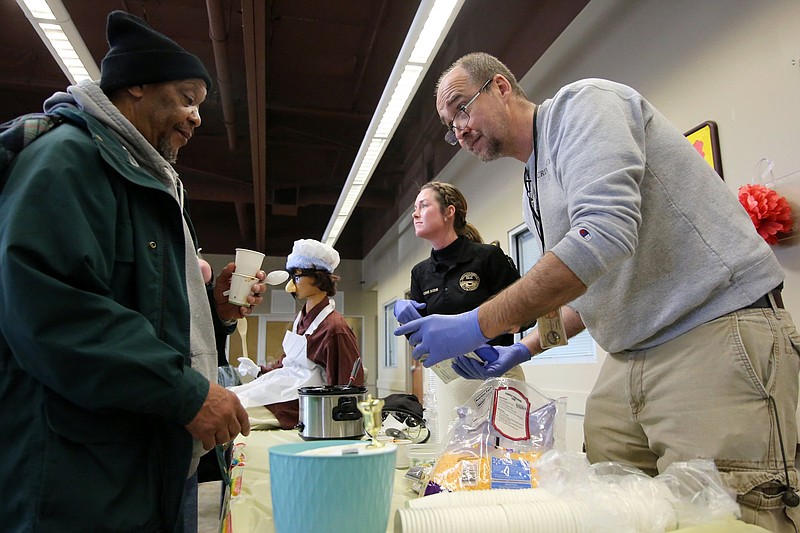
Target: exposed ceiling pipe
x=365 y=63
x=254 y=13
x=219 y=40
x=320 y=113
x=245 y=220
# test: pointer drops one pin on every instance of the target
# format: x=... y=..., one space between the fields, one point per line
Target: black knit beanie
x=138 y=54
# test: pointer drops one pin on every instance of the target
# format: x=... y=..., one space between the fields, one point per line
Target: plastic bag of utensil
x=403 y=418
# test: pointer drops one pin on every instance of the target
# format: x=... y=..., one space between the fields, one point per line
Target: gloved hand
x=407 y=310
x=247 y=366
x=499 y=360
x=442 y=336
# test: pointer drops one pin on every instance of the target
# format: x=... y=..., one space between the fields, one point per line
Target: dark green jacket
x=95 y=384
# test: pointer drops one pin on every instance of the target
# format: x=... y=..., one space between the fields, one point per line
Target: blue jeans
x=190 y=505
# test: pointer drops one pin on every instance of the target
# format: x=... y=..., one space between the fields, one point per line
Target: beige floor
x=208 y=498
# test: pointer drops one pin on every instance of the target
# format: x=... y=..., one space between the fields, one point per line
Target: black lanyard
x=532 y=186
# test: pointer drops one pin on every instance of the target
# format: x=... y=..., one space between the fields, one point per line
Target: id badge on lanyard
x=551 y=325
x=551 y=330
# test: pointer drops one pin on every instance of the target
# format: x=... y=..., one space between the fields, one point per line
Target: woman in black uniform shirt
x=461 y=272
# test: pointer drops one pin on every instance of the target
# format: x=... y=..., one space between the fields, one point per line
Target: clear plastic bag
x=622 y=499
x=498 y=435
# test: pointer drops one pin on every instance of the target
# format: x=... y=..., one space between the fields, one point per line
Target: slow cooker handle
x=346 y=410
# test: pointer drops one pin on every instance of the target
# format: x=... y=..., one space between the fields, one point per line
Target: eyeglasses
x=412 y=428
x=462 y=117
x=303 y=273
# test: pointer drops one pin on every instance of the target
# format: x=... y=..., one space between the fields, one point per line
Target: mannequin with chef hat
x=319 y=350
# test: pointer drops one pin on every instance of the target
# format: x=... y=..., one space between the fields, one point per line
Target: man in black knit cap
x=106 y=335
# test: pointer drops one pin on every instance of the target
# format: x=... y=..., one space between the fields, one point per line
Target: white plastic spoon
x=241 y=327
x=276 y=277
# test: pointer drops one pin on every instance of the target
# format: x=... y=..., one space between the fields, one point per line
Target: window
x=526 y=251
x=389 y=340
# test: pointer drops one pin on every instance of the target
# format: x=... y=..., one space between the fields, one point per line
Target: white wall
x=736 y=62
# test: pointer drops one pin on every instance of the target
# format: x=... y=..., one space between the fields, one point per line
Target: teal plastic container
x=350 y=493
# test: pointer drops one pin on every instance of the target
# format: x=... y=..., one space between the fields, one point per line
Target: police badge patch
x=469 y=281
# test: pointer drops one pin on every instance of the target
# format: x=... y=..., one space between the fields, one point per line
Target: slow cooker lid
x=328 y=390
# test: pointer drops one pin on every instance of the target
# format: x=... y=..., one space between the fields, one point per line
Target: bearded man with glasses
x=681 y=292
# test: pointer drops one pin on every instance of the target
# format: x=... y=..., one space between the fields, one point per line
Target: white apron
x=281 y=384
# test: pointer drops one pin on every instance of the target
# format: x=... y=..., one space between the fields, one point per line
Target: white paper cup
x=241 y=285
x=402 y=450
x=248 y=262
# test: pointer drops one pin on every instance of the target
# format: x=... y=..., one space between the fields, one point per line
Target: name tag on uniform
x=430 y=291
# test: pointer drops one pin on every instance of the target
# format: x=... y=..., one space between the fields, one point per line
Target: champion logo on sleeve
x=585 y=234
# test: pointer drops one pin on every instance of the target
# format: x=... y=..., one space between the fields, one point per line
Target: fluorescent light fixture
x=431 y=23
x=436 y=26
x=54 y=26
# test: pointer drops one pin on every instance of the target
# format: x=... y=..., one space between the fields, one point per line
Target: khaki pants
x=706 y=395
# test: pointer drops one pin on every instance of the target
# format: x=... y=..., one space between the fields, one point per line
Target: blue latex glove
x=407 y=310
x=443 y=336
x=498 y=361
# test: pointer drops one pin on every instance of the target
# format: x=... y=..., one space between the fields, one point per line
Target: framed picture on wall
x=705 y=140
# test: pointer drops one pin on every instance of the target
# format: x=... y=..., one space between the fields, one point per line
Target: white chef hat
x=311 y=254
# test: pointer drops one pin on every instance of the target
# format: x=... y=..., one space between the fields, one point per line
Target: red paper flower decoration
x=769 y=211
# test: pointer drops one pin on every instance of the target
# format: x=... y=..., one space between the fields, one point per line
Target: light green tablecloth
x=251 y=508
